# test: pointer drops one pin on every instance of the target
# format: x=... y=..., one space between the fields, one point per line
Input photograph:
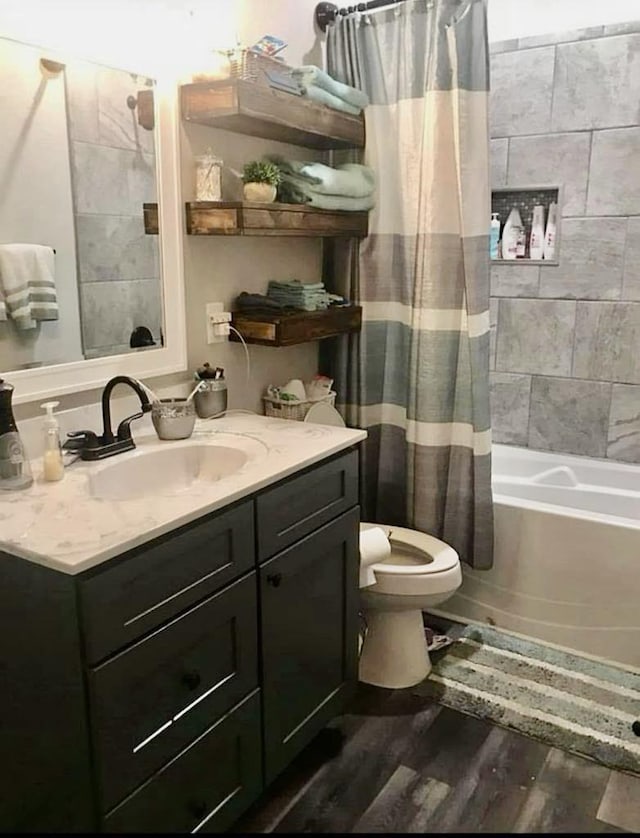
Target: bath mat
x=561 y=698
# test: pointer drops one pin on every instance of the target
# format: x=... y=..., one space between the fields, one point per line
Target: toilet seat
x=418 y=563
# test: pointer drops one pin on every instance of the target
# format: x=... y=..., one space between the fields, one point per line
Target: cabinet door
x=309 y=636
x=204 y=789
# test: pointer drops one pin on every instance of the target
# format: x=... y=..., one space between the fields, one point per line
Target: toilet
x=421 y=572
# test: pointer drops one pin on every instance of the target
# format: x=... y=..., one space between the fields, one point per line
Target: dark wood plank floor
x=398 y=763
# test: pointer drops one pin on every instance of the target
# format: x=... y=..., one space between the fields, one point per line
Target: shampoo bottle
x=494 y=235
x=512 y=235
x=550 y=235
x=52 y=464
x=536 y=239
x=15 y=472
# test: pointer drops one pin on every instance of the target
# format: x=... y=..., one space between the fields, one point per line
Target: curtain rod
x=327 y=13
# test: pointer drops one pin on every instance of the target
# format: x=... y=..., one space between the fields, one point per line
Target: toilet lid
x=414 y=552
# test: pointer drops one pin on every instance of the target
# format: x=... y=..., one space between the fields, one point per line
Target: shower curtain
x=417 y=376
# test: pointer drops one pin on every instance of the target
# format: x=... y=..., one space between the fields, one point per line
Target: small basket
x=247 y=65
x=293 y=410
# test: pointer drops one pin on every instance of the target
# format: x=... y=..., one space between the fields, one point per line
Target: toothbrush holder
x=173 y=418
x=211 y=399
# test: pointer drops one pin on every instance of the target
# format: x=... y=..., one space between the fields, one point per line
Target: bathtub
x=567 y=554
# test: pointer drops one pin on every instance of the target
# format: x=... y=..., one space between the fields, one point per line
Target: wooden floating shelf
x=260 y=111
x=288 y=329
x=241 y=218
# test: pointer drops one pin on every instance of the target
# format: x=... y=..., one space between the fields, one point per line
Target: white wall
x=520 y=18
x=35 y=199
x=218 y=269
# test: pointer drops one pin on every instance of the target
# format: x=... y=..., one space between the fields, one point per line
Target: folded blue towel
x=341 y=202
x=317 y=94
x=311 y=75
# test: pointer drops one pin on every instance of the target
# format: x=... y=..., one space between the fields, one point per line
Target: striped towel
x=27 y=281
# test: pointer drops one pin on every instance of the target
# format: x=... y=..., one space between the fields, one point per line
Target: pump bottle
x=52 y=463
x=15 y=472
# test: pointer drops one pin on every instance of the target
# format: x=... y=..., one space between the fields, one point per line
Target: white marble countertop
x=62 y=526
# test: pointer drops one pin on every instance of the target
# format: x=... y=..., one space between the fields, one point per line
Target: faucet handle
x=77 y=440
x=124 y=428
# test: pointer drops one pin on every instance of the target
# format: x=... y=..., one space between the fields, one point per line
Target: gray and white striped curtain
x=417 y=376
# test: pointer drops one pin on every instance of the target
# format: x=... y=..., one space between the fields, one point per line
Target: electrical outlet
x=217 y=323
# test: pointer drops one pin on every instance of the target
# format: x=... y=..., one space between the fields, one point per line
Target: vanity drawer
x=150 y=701
x=302 y=504
x=208 y=785
x=158 y=581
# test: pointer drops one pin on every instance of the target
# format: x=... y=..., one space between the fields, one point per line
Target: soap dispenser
x=52 y=463
x=15 y=471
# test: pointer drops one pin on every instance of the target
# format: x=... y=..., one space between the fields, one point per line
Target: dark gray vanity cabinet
x=309 y=610
x=162 y=690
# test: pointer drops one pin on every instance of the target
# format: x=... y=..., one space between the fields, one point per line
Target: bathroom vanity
x=161 y=669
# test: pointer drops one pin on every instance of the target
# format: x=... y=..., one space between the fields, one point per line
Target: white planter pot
x=263 y=193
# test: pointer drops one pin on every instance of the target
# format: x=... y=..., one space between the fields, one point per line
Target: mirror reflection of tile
x=75 y=172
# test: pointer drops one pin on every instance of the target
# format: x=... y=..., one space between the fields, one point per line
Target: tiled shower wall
x=113 y=168
x=565 y=109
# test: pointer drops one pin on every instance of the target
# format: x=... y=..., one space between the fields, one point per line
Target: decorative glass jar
x=208 y=177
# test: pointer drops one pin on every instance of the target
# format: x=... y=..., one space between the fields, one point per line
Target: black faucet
x=89 y=445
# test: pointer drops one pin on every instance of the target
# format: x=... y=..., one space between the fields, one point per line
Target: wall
x=113 y=165
x=564 y=109
x=522 y=18
x=218 y=269
x=35 y=199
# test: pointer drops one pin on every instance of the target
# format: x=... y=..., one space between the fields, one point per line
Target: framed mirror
x=86 y=292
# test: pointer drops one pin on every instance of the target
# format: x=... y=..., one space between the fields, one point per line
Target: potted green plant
x=261 y=179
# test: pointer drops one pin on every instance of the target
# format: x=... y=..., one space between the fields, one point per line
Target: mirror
x=81 y=282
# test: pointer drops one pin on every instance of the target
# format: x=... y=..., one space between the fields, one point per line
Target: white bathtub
x=567 y=554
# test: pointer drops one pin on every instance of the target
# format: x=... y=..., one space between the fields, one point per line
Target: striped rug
x=561 y=698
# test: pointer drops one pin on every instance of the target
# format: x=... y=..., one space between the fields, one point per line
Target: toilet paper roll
x=374 y=547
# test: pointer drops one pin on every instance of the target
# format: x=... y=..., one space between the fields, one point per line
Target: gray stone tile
x=607 y=340
x=622 y=28
x=570 y=416
x=535 y=336
x=111 y=181
x=591 y=260
x=112 y=247
x=614 y=155
x=518 y=106
x=624 y=430
x=118 y=124
x=493 y=325
x=561 y=159
x=498 y=151
x=111 y=310
x=503 y=46
x=515 y=280
x=561 y=37
x=510 y=394
x=631 y=277
x=620 y=804
x=596 y=84
x=82 y=101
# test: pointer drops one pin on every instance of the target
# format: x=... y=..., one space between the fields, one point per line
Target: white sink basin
x=168 y=469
